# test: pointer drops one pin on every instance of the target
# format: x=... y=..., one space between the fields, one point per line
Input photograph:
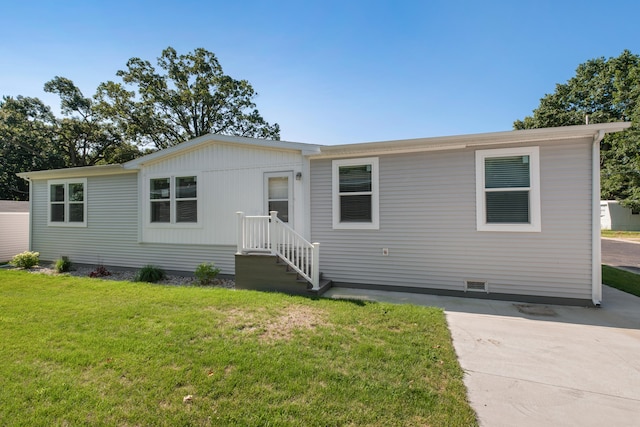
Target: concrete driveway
x=542 y=365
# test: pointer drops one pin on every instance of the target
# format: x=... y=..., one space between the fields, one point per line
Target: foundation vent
x=476 y=286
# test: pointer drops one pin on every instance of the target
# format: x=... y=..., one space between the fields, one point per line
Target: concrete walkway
x=537 y=365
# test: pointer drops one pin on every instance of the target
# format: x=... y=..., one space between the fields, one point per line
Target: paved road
x=619 y=253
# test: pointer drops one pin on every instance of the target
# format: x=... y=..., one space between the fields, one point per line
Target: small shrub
x=150 y=273
x=100 y=271
x=26 y=259
x=63 y=265
x=206 y=272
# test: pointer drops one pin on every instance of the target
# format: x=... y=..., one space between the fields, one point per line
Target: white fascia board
x=457 y=142
x=213 y=138
x=84 y=171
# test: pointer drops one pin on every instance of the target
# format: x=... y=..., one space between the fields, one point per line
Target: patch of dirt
x=274 y=328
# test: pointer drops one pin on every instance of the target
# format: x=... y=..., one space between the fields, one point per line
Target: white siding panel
x=231 y=180
x=14 y=234
x=427 y=220
x=111 y=235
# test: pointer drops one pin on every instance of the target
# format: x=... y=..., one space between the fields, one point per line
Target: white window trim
x=534 y=189
x=66 y=222
x=172 y=201
x=375 y=195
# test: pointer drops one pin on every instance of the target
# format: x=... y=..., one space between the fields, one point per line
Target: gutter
x=596 y=250
x=30 y=212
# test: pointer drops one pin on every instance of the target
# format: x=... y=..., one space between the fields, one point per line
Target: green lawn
x=620 y=234
x=620 y=279
x=79 y=351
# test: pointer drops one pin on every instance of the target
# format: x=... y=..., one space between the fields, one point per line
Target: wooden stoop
x=266 y=272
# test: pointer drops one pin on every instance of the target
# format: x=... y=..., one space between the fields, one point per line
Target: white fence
x=14 y=234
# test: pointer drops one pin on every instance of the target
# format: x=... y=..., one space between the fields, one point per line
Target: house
x=509 y=215
x=615 y=217
x=14 y=228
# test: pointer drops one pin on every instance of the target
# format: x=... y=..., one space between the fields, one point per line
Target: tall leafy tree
x=83 y=134
x=33 y=138
x=603 y=90
x=27 y=135
x=187 y=96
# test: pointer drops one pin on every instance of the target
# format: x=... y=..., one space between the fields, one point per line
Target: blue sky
x=333 y=72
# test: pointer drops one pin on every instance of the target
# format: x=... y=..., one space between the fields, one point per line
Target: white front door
x=278 y=193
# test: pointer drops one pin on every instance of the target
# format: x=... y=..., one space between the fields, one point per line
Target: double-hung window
x=508 y=189
x=68 y=202
x=173 y=200
x=355 y=193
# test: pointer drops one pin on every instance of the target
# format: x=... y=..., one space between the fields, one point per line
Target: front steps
x=266 y=272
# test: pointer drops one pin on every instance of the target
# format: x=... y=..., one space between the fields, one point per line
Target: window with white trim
x=67 y=202
x=355 y=193
x=508 y=189
x=173 y=200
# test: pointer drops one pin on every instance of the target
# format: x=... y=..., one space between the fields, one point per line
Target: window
x=508 y=189
x=173 y=200
x=186 y=199
x=67 y=202
x=355 y=194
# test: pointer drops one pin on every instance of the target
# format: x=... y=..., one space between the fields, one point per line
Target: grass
x=79 y=351
x=620 y=234
x=621 y=279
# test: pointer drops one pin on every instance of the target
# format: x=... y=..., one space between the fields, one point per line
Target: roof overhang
x=215 y=138
x=458 y=142
x=85 y=171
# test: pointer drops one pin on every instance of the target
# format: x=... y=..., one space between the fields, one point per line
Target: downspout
x=30 y=213
x=596 y=256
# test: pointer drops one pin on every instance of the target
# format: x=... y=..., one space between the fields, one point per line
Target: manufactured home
x=507 y=215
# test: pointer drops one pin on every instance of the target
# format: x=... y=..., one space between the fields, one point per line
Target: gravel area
x=130 y=274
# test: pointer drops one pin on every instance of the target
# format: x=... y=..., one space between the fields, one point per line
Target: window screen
x=355 y=193
x=507 y=183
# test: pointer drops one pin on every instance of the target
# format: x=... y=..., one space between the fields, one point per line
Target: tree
x=189 y=97
x=84 y=135
x=33 y=138
x=604 y=90
x=27 y=132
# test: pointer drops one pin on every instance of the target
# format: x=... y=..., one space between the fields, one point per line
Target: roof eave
x=84 y=171
x=213 y=138
x=466 y=141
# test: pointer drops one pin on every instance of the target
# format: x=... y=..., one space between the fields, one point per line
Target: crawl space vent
x=476 y=286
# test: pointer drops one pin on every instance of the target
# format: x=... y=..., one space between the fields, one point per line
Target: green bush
x=26 y=259
x=206 y=272
x=63 y=265
x=150 y=273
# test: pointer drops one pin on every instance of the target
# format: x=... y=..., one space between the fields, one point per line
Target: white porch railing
x=267 y=233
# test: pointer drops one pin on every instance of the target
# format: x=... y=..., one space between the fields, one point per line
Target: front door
x=278 y=192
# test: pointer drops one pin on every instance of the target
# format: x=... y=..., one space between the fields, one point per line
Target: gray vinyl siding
x=428 y=222
x=111 y=235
